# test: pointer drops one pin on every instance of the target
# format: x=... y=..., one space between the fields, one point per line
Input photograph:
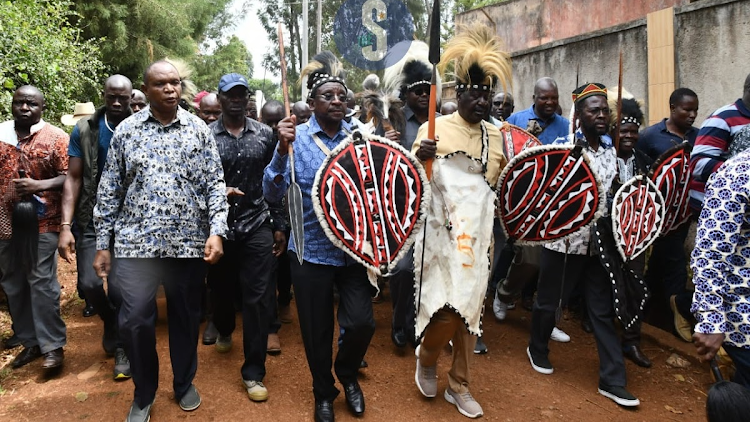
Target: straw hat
x=80 y=111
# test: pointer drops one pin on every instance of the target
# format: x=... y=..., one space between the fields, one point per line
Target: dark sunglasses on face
x=421 y=90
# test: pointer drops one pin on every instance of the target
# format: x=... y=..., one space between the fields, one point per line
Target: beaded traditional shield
x=671 y=175
x=370 y=196
x=637 y=216
x=547 y=193
x=516 y=140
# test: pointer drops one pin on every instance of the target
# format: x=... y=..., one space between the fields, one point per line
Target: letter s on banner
x=381 y=37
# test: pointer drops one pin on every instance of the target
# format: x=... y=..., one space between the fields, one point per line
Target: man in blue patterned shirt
x=324 y=265
x=162 y=210
x=721 y=267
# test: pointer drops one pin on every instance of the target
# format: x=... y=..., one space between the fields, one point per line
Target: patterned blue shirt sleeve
x=110 y=194
x=721 y=258
x=273 y=191
x=218 y=207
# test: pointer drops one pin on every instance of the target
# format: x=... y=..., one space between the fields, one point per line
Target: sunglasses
x=421 y=90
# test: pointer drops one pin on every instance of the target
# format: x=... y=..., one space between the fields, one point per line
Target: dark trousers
x=667 y=269
x=90 y=284
x=248 y=262
x=598 y=292
x=741 y=359
x=283 y=283
x=138 y=281
x=313 y=288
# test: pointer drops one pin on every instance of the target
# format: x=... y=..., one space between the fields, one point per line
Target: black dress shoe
x=363 y=364
x=210 y=334
x=88 y=310
x=324 y=411
x=586 y=325
x=27 y=355
x=635 y=354
x=354 y=398
x=12 y=342
x=53 y=359
x=399 y=337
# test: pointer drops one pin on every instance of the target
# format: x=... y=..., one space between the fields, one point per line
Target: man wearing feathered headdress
x=410 y=79
x=324 y=265
x=452 y=269
x=565 y=261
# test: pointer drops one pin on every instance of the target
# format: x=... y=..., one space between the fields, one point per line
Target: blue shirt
x=655 y=140
x=162 y=192
x=308 y=158
x=557 y=127
x=721 y=258
x=105 y=137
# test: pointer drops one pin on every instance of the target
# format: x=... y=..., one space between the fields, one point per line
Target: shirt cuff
x=279 y=163
x=102 y=242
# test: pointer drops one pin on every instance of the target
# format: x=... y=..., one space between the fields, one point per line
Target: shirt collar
x=8 y=131
x=742 y=108
x=219 y=127
x=461 y=121
x=604 y=140
x=315 y=128
x=182 y=116
x=408 y=112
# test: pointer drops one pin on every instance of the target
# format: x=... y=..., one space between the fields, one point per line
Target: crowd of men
x=144 y=193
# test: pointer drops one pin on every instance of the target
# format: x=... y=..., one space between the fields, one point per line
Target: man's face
x=163 y=88
x=138 y=102
x=418 y=98
x=683 y=113
x=502 y=106
x=272 y=116
x=594 y=115
x=210 y=109
x=474 y=105
x=251 y=110
x=234 y=102
x=628 y=138
x=27 y=107
x=303 y=114
x=117 y=101
x=546 y=101
x=329 y=102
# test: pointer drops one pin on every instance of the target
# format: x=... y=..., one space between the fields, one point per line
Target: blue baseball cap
x=232 y=80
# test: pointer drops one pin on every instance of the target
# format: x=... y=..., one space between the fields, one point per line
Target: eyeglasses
x=498 y=103
x=421 y=90
x=328 y=97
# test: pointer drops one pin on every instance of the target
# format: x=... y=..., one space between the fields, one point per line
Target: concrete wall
x=530 y=23
x=712 y=49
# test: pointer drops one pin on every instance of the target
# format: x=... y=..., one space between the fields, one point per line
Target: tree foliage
x=39 y=46
x=229 y=57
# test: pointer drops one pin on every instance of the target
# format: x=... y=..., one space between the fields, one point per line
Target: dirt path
x=503 y=381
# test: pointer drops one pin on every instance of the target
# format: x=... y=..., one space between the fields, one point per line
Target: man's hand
x=393 y=135
x=287 y=132
x=234 y=192
x=707 y=344
x=66 y=244
x=214 y=249
x=27 y=186
x=102 y=264
x=279 y=243
x=427 y=149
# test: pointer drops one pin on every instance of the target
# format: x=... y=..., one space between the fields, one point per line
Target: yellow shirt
x=456 y=134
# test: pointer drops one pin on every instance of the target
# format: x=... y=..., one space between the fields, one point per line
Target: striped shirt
x=712 y=146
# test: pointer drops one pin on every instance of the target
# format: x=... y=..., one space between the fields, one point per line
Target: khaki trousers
x=447 y=325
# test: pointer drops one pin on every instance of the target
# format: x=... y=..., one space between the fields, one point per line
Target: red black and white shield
x=671 y=175
x=371 y=195
x=637 y=216
x=547 y=193
x=516 y=140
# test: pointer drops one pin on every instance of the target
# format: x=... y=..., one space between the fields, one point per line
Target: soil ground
x=503 y=381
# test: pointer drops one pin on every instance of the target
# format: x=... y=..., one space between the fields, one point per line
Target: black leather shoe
x=354 y=398
x=12 y=342
x=88 y=310
x=586 y=325
x=399 y=337
x=363 y=364
x=635 y=354
x=210 y=334
x=324 y=411
x=27 y=355
x=53 y=359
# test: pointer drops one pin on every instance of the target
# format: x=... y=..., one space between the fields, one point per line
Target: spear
x=294 y=194
x=619 y=107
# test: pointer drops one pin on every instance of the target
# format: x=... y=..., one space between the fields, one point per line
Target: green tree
x=229 y=57
x=270 y=89
x=39 y=46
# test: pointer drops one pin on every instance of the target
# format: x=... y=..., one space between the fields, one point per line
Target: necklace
x=107 y=124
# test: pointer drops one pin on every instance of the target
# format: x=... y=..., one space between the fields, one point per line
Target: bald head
x=118 y=81
x=27 y=107
x=163 y=88
x=271 y=114
x=448 y=107
x=118 y=92
x=138 y=102
x=302 y=111
x=546 y=98
x=502 y=105
x=209 y=109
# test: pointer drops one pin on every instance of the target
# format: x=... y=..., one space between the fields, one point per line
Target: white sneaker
x=464 y=402
x=559 y=336
x=425 y=378
x=499 y=308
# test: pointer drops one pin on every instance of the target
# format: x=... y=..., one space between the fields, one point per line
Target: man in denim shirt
x=162 y=208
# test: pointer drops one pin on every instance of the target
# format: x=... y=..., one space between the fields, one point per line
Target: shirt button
x=238 y=172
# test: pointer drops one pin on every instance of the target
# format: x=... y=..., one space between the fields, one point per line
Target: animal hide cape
x=671 y=175
x=371 y=196
x=637 y=216
x=547 y=193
